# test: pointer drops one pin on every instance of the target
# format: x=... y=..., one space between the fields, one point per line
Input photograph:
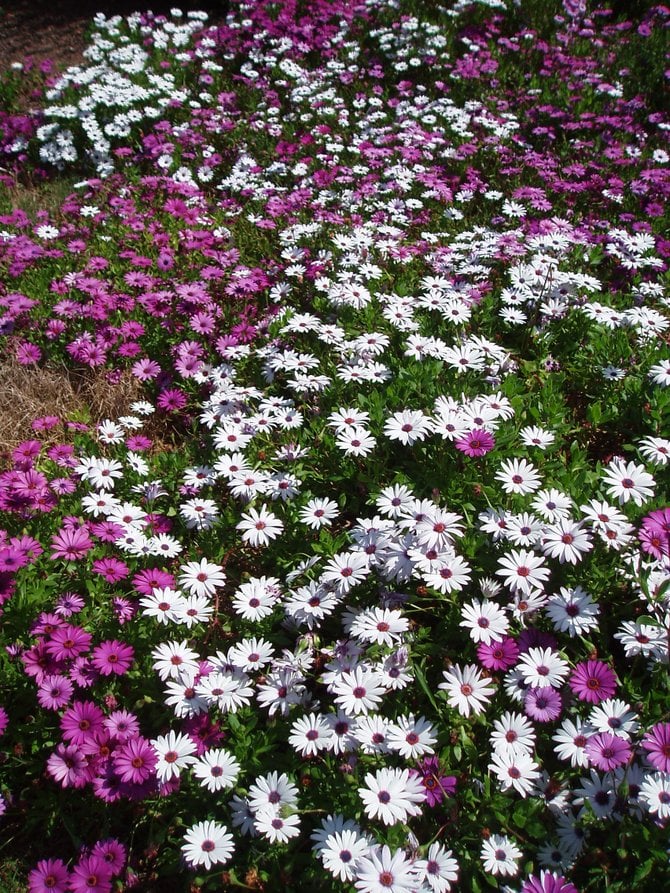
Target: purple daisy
x=436 y=785
x=500 y=655
x=547 y=882
x=135 y=761
x=69 y=766
x=83 y=720
x=606 y=751
x=91 y=875
x=71 y=543
x=543 y=704
x=477 y=442
x=49 y=876
x=657 y=744
x=593 y=681
x=68 y=642
x=112 y=657
x=54 y=692
x=112 y=852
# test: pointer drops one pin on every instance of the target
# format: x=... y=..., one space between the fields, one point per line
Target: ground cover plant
x=337 y=556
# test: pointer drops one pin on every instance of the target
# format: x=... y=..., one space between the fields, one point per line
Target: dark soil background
x=56 y=29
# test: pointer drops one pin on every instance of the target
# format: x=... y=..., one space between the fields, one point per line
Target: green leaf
x=423 y=684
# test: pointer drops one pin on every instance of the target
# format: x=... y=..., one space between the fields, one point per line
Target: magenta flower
x=81 y=721
x=112 y=852
x=547 y=882
x=91 y=875
x=68 y=642
x=500 y=655
x=123 y=609
x=112 y=569
x=657 y=744
x=4 y=720
x=593 y=681
x=49 y=876
x=69 y=766
x=112 y=657
x=607 y=751
x=135 y=761
x=171 y=399
x=54 y=692
x=204 y=732
x=475 y=443
x=146 y=581
x=654 y=534
x=12 y=559
x=437 y=786
x=543 y=704
x=122 y=725
x=71 y=543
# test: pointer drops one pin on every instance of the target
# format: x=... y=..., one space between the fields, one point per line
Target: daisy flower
x=193 y=609
x=593 y=681
x=355 y=441
x=408 y=426
x=358 y=691
x=485 y=621
x=656 y=743
x=596 y=794
x=512 y=733
x=627 y=480
x=201 y=577
x=475 y=443
x=254 y=600
x=573 y=611
x=175 y=752
x=259 y=527
x=319 y=513
x=49 y=876
x=341 y=852
x=393 y=501
x=543 y=704
x=547 y=882
x=347 y=417
x=310 y=734
x=523 y=571
x=216 y=769
x=551 y=504
x=518 y=476
x=385 y=871
x=500 y=855
x=392 y=795
x=272 y=790
x=172 y=658
x=411 y=738
x=542 y=667
x=571 y=739
x=614 y=715
x=655 y=794
x=381 y=625
x=566 y=540
x=438 y=870
x=660 y=373
x=655 y=449
x=207 y=844
x=606 y=751
x=346 y=569
x=467 y=690
x=275 y=827
x=515 y=770
x=537 y=437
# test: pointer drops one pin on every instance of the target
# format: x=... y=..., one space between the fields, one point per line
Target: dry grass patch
x=28 y=392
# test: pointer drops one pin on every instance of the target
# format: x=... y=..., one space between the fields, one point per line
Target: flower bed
x=367 y=588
